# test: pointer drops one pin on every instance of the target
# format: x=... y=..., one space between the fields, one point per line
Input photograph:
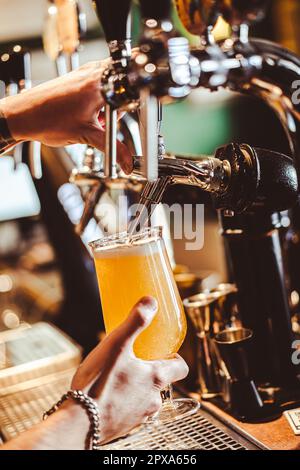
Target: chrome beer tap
x=160 y=70
x=265 y=70
x=155 y=72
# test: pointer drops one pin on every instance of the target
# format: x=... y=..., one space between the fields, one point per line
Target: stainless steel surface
x=23 y=409
x=233 y=336
x=199 y=432
x=34 y=353
x=211 y=312
x=201 y=309
x=39 y=363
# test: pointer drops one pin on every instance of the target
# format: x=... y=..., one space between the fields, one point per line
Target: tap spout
x=206 y=172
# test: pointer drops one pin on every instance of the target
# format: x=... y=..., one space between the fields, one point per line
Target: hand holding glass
x=131 y=267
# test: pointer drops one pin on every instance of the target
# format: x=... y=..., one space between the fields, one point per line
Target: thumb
x=138 y=320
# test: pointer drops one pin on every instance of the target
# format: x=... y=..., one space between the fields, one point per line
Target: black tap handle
x=278 y=182
x=156 y=9
x=260 y=176
x=113 y=15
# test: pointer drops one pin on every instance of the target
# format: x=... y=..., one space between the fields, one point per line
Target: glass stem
x=167 y=396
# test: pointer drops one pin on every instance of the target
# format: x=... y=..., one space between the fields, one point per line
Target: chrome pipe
x=110 y=158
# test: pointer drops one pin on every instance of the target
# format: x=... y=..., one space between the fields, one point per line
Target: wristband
x=6 y=139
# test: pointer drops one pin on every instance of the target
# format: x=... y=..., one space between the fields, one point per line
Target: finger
x=138 y=320
x=168 y=371
x=108 y=351
x=96 y=138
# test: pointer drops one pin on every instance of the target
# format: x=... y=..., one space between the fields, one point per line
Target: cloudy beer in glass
x=133 y=266
x=129 y=268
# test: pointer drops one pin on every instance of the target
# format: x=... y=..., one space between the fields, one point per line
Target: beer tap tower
x=250 y=187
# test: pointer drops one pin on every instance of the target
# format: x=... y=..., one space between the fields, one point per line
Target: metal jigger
x=227 y=314
x=246 y=402
x=200 y=308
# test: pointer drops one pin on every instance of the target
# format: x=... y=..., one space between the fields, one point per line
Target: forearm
x=66 y=429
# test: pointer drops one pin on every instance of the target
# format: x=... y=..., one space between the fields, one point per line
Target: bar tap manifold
x=161 y=69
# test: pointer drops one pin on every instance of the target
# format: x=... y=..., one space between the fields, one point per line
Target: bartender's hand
x=63 y=111
x=127 y=389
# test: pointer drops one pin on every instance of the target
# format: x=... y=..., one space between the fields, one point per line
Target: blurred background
x=45 y=270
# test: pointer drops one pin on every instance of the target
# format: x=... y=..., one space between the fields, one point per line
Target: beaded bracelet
x=91 y=407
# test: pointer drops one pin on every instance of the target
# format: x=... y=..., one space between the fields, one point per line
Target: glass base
x=174 y=410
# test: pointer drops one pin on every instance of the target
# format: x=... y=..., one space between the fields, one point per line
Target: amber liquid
x=127 y=273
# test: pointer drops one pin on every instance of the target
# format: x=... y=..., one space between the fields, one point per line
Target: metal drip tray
x=21 y=410
x=37 y=367
x=199 y=431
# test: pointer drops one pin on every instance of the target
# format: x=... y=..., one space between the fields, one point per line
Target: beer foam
x=122 y=250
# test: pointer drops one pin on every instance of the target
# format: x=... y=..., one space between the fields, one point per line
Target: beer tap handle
x=113 y=15
x=259 y=177
x=114 y=18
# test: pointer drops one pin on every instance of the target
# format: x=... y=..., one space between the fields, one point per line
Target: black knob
x=259 y=177
x=113 y=15
x=278 y=182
